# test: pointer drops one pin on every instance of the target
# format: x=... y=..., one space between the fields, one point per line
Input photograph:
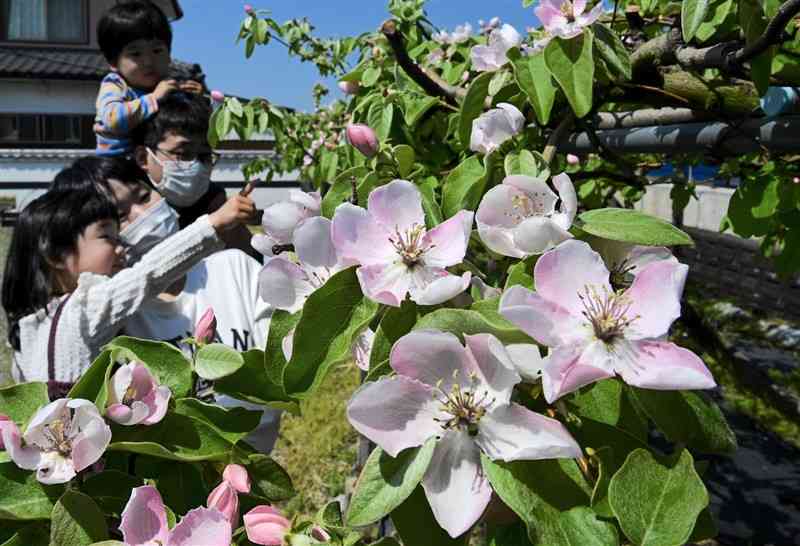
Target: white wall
x=705 y=212
x=48 y=97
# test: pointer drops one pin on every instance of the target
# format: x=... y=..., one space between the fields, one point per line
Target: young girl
x=63 y=304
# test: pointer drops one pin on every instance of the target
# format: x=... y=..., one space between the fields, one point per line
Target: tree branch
x=772 y=35
x=557 y=136
x=432 y=84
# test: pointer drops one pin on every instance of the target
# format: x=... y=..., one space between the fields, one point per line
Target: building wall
x=48 y=96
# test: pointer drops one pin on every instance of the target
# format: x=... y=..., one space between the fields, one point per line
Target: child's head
x=135 y=38
x=172 y=148
x=58 y=236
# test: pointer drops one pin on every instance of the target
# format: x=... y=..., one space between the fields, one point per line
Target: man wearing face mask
x=172 y=148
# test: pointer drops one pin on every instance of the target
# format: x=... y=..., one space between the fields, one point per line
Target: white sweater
x=100 y=305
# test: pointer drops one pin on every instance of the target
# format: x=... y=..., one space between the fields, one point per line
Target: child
x=172 y=148
x=61 y=301
x=135 y=38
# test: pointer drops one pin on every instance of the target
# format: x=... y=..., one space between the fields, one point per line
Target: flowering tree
x=471 y=244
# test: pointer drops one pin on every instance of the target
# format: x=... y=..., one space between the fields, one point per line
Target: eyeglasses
x=209 y=158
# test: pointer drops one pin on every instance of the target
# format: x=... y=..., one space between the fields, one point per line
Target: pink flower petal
x=266 y=525
x=655 y=297
x=539 y=234
x=395 y=413
x=567 y=369
x=543 y=200
x=496 y=373
x=386 y=283
x=665 y=366
x=527 y=360
x=510 y=432
x=543 y=320
x=225 y=499
x=263 y=244
x=90 y=444
x=128 y=415
x=569 y=198
x=144 y=519
x=158 y=402
x=313 y=243
x=641 y=256
x=578 y=7
x=120 y=382
x=280 y=219
x=237 y=476
x=455 y=485
x=432 y=286
x=397 y=206
x=27 y=457
x=434 y=358
x=358 y=236
x=593 y=15
x=564 y=272
x=362 y=349
x=448 y=240
x=204 y=526
x=284 y=284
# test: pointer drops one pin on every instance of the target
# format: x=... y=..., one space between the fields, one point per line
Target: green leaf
x=385 y=482
x=597 y=435
x=31 y=535
x=234 y=106
x=472 y=106
x=657 y=505
x=632 y=226
x=177 y=437
x=690 y=418
x=251 y=382
x=580 y=526
x=606 y=466
x=77 y=521
x=24 y=498
x=433 y=213
x=751 y=207
x=415 y=108
x=571 y=64
x=181 y=486
x=498 y=81
x=533 y=164
x=261 y=31
x=463 y=187
x=20 y=402
x=269 y=480
x=404 y=156
x=92 y=384
x=719 y=10
x=166 y=362
x=612 y=51
x=111 y=489
x=320 y=342
x=521 y=273
x=370 y=76
x=485 y=319
x=396 y=323
x=217 y=360
x=416 y=525
x=538 y=491
x=535 y=80
x=610 y=401
x=693 y=13
x=379 y=118
x=342 y=189
x=233 y=424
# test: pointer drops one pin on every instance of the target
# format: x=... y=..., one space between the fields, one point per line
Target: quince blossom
x=281 y=218
x=266 y=525
x=462 y=397
x=397 y=254
x=596 y=332
x=493 y=56
x=491 y=129
x=461 y=34
x=566 y=19
x=135 y=397
x=144 y=523
x=518 y=218
x=63 y=438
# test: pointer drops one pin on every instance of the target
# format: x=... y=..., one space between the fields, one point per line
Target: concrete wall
x=705 y=212
x=47 y=97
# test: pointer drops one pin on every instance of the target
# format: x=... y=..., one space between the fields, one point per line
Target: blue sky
x=207 y=32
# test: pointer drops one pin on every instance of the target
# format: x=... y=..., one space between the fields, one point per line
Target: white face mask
x=156 y=224
x=183 y=183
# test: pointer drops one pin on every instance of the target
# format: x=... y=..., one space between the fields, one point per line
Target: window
x=46 y=131
x=43 y=21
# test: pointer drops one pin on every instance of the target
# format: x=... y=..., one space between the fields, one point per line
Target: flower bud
x=349 y=88
x=320 y=534
x=206 y=327
x=249 y=10
x=3 y=419
x=225 y=499
x=363 y=139
x=217 y=96
x=573 y=159
x=237 y=476
x=266 y=525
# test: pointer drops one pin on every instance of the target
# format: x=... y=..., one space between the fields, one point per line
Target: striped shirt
x=120 y=109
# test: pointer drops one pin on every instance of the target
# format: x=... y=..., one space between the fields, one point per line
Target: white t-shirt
x=227 y=282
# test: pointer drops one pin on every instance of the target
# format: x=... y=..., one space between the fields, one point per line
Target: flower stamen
x=607 y=313
x=410 y=245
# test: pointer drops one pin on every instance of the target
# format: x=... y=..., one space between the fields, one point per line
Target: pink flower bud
x=237 y=476
x=320 y=534
x=225 y=499
x=349 y=88
x=3 y=419
x=266 y=525
x=217 y=96
x=206 y=327
x=363 y=139
x=249 y=10
x=573 y=159
x=796 y=180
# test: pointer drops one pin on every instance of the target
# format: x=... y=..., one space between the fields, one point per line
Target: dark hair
x=180 y=113
x=95 y=172
x=130 y=21
x=46 y=230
